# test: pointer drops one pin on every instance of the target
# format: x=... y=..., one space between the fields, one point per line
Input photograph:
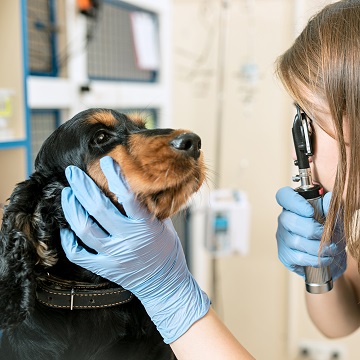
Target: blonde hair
x=325 y=61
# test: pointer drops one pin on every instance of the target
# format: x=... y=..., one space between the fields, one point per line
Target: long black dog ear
x=20 y=252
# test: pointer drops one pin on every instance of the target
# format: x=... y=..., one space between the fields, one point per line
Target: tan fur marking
x=136 y=118
x=104 y=117
x=46 y=257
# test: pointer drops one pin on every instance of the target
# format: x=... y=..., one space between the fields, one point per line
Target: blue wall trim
x=27 y=142
x=12 y=144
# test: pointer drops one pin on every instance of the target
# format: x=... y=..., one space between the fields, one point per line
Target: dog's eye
x=101 y=138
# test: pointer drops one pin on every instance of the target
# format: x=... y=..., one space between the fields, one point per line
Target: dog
x=53 y=309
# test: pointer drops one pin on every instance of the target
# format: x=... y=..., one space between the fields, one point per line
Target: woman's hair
x=324 y=62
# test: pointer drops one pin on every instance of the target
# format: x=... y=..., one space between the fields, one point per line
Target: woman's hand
x=137 y=251
x=298 y=236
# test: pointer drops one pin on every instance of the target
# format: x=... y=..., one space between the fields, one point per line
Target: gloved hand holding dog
x=140 y=253
x=298 y=236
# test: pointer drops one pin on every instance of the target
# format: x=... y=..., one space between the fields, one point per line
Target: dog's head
x=163 y=167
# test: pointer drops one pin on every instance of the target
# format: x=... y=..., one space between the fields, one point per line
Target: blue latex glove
x=138 y=252
x=298 y=236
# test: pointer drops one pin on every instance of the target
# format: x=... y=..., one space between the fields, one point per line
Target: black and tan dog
x=52 y=309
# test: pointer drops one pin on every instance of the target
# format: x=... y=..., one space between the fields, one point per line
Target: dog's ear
x=21 y=251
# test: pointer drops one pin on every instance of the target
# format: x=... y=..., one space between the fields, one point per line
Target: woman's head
x=321 y=72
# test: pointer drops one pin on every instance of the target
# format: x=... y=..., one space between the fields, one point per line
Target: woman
x=321 y=72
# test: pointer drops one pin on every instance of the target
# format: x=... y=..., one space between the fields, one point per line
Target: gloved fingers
x=294 y=258
x=97 y=263
x=118 y=185
x=289 y=242
x=330 y=250
x=290 y=200
x=92 y=200
x=75 y=252
x=77 y=217
x=116 y=182
x=306 y=227
x=86 y=191
x=326 y=202
x=338 y=231
x=83 y=224
x=338 y=266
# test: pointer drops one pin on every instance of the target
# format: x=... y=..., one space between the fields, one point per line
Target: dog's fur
x=163 y=167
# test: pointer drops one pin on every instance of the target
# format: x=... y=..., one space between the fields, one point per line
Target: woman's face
x=325 y=148
x=325 y=159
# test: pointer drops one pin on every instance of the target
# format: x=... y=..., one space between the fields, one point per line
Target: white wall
x=255 y=121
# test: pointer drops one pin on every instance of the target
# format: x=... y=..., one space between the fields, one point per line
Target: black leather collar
x=65 y=294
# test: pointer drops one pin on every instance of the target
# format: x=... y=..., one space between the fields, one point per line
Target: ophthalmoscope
x=317 y=280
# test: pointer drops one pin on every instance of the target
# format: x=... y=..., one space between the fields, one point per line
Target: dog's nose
x=189 y=143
